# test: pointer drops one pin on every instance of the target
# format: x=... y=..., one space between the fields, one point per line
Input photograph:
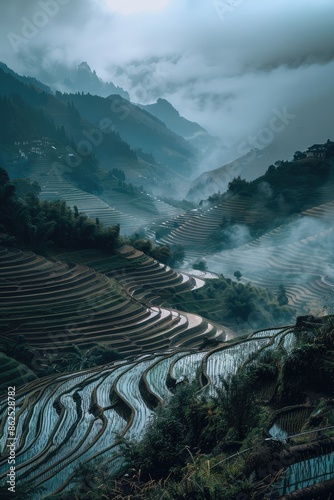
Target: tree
x=299 y=156
x=25 y=186
x=177 y=257
x=282 y=298
x=237 y=274
x=200 y=265
x=161 y=253
x=237 y=402
x=143 y=245
x=237 y=185
x=271 y=170
x=175 y=426
x=3 y=177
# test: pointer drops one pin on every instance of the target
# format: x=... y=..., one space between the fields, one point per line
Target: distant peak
x=85 y=66
x=164 y=102
x=165 y=105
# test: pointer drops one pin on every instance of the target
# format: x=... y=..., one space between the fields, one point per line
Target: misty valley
x=166 y=322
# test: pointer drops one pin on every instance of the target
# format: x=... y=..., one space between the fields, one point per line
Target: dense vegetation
x=285 y=184
x=34 y=224
x=287 y=188
x=242 y=307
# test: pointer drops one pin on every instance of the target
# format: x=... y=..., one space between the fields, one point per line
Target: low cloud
x=225 y=72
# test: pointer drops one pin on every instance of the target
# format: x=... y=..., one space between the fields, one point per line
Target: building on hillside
x=320 y=150
x=317 y=151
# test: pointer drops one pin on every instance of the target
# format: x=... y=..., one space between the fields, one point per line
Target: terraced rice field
x=298 y=255
x=147 y=279
x=292 y=420
x=55 y=305
x=305 y=474
x=70 y=419
x=193 y=228
x=131 y=213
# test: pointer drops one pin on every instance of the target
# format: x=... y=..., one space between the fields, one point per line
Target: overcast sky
x=223 y=63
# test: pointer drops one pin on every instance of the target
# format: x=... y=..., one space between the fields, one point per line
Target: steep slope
x=56 y=306
x=42 y=113
x=83 y=79
x=139 y=128
x=156 y=157
x=27 y=80
x=190 y=131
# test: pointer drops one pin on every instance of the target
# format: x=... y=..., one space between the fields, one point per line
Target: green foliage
x=238 y=185
x=143 y=245
x=182 y=204
x=237 y=274
x=309 y=366
x=282 y=298
x=161 y=253
x=21 y=121
x=292 y=187
x=200 y=265
x=86 y=176
x=186 y=451
x=14 y=372
x=178 y=427
x=25 y=186
x=299 y=156
x=38 y=224
x=241 y=307
x=118 y=173
x=173 y=256
x=267 y=366
x=237 y=399
x=177 y=256
x=76 y=358
x=23 y=491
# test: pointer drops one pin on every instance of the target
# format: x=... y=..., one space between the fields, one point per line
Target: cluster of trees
x=242 y=307
x=19 y=121
x=173 y=256
x=30 y=223
x=39 y=364
x=118 y=173
x=310 y=365
x=183 y=204
x=288 y=187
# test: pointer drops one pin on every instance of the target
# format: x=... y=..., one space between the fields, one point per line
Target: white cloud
x=227 y=75
x=128 y=7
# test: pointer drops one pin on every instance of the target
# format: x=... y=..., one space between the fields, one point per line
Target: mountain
x=27 y=80
x=33 y=112
x=83 y=79
x=84 y=116
x=189 y=130
x=249 y=165
x=141 y=130
x=254 y=163
x=84 y=135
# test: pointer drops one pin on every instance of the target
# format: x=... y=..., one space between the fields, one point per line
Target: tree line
x=30 y=223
